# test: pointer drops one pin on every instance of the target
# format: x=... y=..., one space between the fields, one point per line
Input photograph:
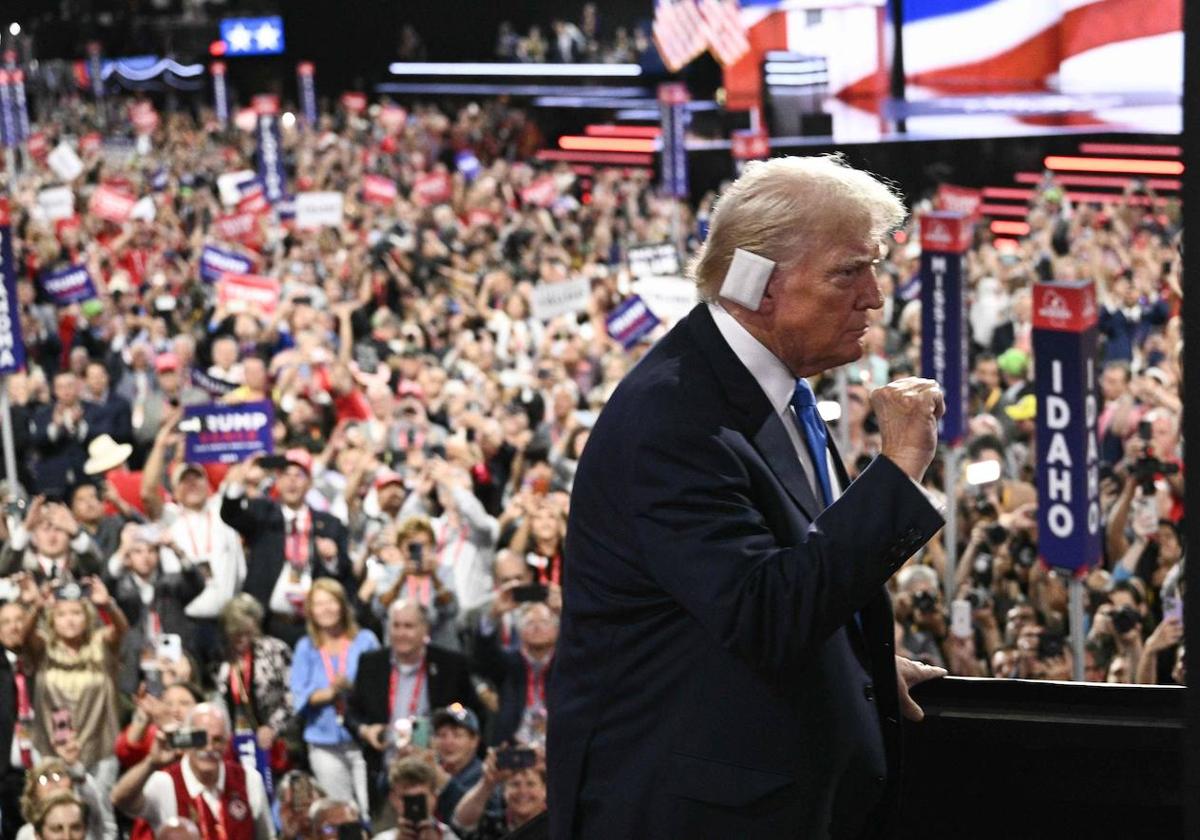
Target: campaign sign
x=57 y=203
x=318 y=209
x=111 y=204
x=670 y=298
x=747 y=144
x=432 y=188
x=20 y=106
x=253 y=757
x=69 y=285
x=210 y=385
x=308 y=92
x=379 y=190
x=236 y=227
x=64 y=162
x=215 y=262
x=270 y=158
x=227 y=434
x=1068 y=459
x=12 y=345
x=673 y=98
x=248 y=293
x=570 y=297
x=630 y=321
x=354 y=101
x=220 y=91
x=959 y=200
x=9 y=131
x=661 y=260
x=541 y=193
x=943 y=317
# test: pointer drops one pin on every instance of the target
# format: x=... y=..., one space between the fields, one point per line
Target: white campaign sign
x=570 y=297
x=318 y=209
x=227 y=185
x=57 y=203
x=65 y=163
x=670 y=298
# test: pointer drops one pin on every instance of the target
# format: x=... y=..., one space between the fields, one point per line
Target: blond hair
x=788 y=210
x=330 y=587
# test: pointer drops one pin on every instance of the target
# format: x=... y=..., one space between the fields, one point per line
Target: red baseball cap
x=166 y=361
x=386 y=476
x=302 y=458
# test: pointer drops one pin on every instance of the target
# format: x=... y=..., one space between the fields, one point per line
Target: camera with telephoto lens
x=1148 y=466
x=996 y=534
x=1125 y=619
x=978 y=598
x=924 y=602
x=981 y=569
x=1023 y=551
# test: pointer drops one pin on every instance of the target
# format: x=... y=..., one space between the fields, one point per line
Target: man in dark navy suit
x=725 y=666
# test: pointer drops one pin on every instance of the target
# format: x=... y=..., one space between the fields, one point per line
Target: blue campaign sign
x=69 y=285
x=215 y=261
x=252 y=35
x=253 y=757
x=630 y=321
x=12 y=345
x=270 y=158
x=943 y=317
x=215 y=388
x=9 y=133
x=227 y=434
x=673 y=98
x=1068 y=459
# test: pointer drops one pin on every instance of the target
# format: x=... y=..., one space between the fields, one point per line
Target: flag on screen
x=679 y=32
x=725 y=30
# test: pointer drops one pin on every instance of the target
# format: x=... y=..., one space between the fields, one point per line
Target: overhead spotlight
x=288 y=119
x=14 y=29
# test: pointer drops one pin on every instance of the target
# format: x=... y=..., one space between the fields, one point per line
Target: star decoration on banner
x=239 y=38
x=267 y=37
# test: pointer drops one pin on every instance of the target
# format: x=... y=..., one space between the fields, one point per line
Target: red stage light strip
x=643 y=131
x=1116 y=182
x=1131 y=166
x=1011 y=228
x=1016 y=210
x=1014 y=193
x=577 y=143
x=601 y=158
x=1130 y=149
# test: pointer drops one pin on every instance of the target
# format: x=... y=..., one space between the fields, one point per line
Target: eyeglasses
x=50 y=778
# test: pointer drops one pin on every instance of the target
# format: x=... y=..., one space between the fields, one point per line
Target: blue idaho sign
x=12 y=345
x=1068 y=459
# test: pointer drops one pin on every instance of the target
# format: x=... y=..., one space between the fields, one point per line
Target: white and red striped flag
x=679 y=32
x=724 y=30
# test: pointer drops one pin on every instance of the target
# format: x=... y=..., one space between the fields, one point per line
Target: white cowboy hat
x=105 y=454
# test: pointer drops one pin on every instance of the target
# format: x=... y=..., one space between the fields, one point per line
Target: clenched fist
x=908 y=411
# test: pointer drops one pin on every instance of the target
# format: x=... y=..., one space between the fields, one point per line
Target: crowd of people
x=367 y=616
x=565 y=41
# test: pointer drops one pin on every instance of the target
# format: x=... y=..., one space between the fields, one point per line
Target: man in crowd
x=197 y=782
x=60 y=432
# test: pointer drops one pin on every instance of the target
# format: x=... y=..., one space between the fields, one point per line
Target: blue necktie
x=815 y=435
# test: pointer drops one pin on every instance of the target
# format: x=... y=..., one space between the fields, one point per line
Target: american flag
x=724 y=30
x=679 y=32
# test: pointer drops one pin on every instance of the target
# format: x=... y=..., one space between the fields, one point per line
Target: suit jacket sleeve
x=698 y=524
x=244 y=515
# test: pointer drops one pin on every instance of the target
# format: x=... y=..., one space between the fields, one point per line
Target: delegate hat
x=301 y=458
x=105 y=454
x=166 y=361
x=385 y=477
x=458 y=715
x=1023 y=409
x=183 y=468
x=1014 y=362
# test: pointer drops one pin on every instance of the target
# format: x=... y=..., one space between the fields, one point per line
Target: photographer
x=1121 y=621
x=421 y=582
x=524 y=797
x=411 y=793
x=920 y=614
x=49 y=545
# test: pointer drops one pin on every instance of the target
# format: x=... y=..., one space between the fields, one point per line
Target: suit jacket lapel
x=765 y=427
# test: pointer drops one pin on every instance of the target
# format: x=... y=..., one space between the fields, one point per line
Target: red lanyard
x=553 y=571
x=297 y=539
x=24 y=709
x=394 y=681
x=332 y=673
x=241 y=682
x=197 y=554
x=211 y=827
x=462 y=541
x=535 y=683
x=425 y=586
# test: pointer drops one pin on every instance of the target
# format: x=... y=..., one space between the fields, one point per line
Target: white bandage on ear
x=746 y=280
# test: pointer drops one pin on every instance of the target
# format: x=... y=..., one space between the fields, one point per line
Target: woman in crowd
x=151 y=714
x=254 y=679
x=64 y=816
x=323 y=671
x=421 y=581
x=75 y=658
x=52 y=777
x=524 y=798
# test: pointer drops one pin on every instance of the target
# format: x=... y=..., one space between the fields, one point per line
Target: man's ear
x=770 y=297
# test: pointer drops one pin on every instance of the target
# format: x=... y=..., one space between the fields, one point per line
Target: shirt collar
x=772 y=375
x=195 y=787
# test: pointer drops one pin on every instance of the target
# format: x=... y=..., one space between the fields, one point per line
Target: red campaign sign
x=265 y=103
x=246 y=119
x=5 y=213
x=354 y=102
x=432 y=188
x=945 y=232
x=379 y=190
x=959 y=200
x=90 y=143
x=254 y=202
x=1065 y=307
x=236 y=226
x=481 y=218
x=144 y=117
x=541 y=192
x=248 y=293
x=38 y=146
x=111 y=204
x=750 y=145
x=392 y=118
